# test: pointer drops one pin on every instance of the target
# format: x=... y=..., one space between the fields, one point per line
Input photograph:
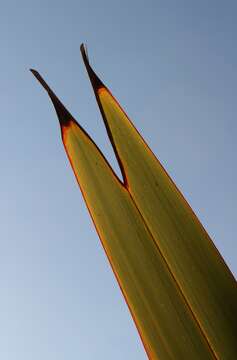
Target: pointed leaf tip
x=95 y=81
x=64 y=116
x=41 y=81
x=84 y=52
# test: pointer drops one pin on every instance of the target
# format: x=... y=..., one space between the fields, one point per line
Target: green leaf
x=203 y=278
x=172 y=277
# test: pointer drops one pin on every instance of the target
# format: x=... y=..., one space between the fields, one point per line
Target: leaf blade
x=202 y=276
x=165 y=323
x=138 y=265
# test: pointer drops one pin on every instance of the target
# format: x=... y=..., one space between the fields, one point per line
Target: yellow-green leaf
x=180 y=293
x=163 y=319
x=200 y=272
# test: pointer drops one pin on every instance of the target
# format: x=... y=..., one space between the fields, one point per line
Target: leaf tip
x=95 y=81
x=64 y=116
x=41 y=80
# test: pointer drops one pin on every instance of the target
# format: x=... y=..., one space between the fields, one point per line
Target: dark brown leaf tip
x=95 y=81
x=64 y=115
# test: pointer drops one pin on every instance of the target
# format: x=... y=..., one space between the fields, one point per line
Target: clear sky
x=173 y=67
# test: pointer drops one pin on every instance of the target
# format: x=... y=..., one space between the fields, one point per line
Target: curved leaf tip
x=64 y=115
x=96 y=82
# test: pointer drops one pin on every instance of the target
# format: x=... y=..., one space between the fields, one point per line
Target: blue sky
x=172 y=66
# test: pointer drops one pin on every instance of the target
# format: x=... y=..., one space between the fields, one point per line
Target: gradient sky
x=172 y=66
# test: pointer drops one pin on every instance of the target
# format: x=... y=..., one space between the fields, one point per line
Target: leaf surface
x=164 y=322
x=202 y=276
x=173 y=279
